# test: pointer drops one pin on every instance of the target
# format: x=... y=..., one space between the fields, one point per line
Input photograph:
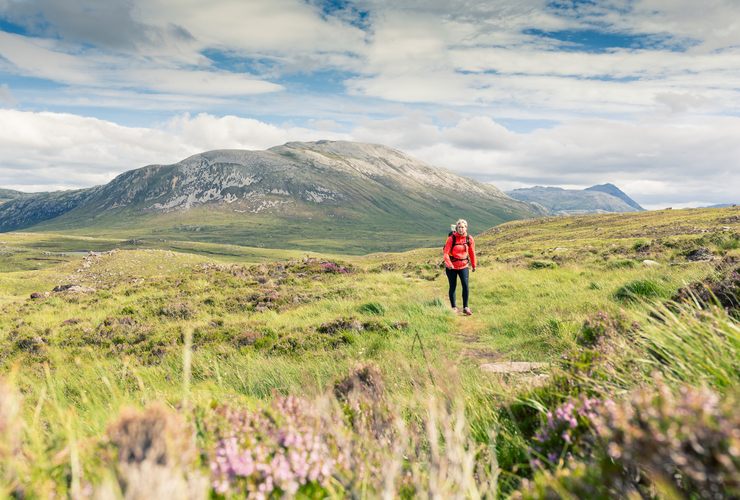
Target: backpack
x=454 y=243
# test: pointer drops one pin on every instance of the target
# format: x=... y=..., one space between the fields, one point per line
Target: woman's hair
x=462 y=222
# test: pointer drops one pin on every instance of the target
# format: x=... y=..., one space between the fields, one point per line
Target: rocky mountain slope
x=332 y=196
x=27 y=210
x=9 y=194
x=603 y=198
x=615 y=191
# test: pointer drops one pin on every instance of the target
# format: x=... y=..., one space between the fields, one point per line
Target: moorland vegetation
x=214 y=371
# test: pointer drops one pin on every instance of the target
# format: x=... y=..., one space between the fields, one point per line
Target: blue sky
x=644 y=94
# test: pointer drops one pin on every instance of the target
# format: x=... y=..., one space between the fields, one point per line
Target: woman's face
x=462 y=229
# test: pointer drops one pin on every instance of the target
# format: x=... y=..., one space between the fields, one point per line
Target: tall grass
x=695 y=346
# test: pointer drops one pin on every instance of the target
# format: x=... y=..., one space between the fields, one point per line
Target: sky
x=644 y=94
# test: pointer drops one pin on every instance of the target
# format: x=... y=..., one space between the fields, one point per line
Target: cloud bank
x=659 y=162
x=641 y=93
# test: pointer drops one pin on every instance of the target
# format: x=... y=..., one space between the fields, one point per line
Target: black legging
x=452 y=275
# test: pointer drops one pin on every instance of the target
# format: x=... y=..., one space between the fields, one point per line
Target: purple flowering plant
x=276 y=451
x=567 y=430
x=329 y=267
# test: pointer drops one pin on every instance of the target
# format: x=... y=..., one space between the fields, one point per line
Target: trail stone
x=649 y=262
x=512 y=367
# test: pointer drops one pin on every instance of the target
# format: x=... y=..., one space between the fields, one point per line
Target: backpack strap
x=454 y=242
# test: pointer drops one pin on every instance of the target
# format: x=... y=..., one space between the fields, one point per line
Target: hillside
x=9 y=194
x=613 y=190
x=158 y=371
x=605 y=198
x=339 y=196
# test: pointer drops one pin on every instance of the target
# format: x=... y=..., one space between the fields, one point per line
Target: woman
x=459 y=254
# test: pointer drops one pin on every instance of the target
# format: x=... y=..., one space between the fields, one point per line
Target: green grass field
x=183 y=363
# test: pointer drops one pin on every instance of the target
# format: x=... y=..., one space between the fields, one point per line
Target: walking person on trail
x=459 y=258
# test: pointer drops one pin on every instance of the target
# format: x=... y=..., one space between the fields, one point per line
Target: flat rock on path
x=512 y=367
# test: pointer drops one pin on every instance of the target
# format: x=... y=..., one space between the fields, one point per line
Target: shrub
x=622 y=264
x=541 y=264
x=365 y=379
x=349 y=323
x=276 y=451
x=690 y=438
x=639 y=288
x=688 y=441
x=567 y=430
x=154 y=447
x=722 y=289
x=641 y=246
x=177 y=310
x=604 y=325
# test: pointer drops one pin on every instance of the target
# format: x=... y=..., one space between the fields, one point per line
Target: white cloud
x=6 y=96
x=663 y=159
x=257 y=26
x=56 y=150
x=96 y=70
x=205 y=132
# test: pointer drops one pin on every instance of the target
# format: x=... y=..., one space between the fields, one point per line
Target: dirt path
x=468 y=330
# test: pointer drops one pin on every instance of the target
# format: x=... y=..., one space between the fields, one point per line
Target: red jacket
x=459 y=251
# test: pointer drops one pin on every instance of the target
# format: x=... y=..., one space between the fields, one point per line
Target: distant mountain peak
x=613 y=190
x=596 y=199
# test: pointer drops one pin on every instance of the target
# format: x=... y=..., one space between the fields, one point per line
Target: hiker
x=459 y=254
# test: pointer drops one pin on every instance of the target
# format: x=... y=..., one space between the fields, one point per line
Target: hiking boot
x=454 y=310
x=467 y=311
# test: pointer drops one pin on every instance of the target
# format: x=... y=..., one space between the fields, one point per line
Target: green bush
x=640 y=288
x=603 y=325
x=641 y=246
x=622 y=264
x=541 y=264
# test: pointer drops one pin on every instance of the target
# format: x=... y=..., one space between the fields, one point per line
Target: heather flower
x=690 y=437
x=567 y=430
x=279 y=450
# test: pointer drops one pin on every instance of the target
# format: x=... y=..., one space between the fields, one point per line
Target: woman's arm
x=448 y=248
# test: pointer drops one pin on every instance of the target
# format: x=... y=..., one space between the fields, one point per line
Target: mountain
x=9 y=194
x=615 y=191
x=721 y=205
x=28 y=210
x=342 y=197
x=593 y=200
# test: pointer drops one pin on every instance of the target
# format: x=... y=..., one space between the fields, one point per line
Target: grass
x=295 y=325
